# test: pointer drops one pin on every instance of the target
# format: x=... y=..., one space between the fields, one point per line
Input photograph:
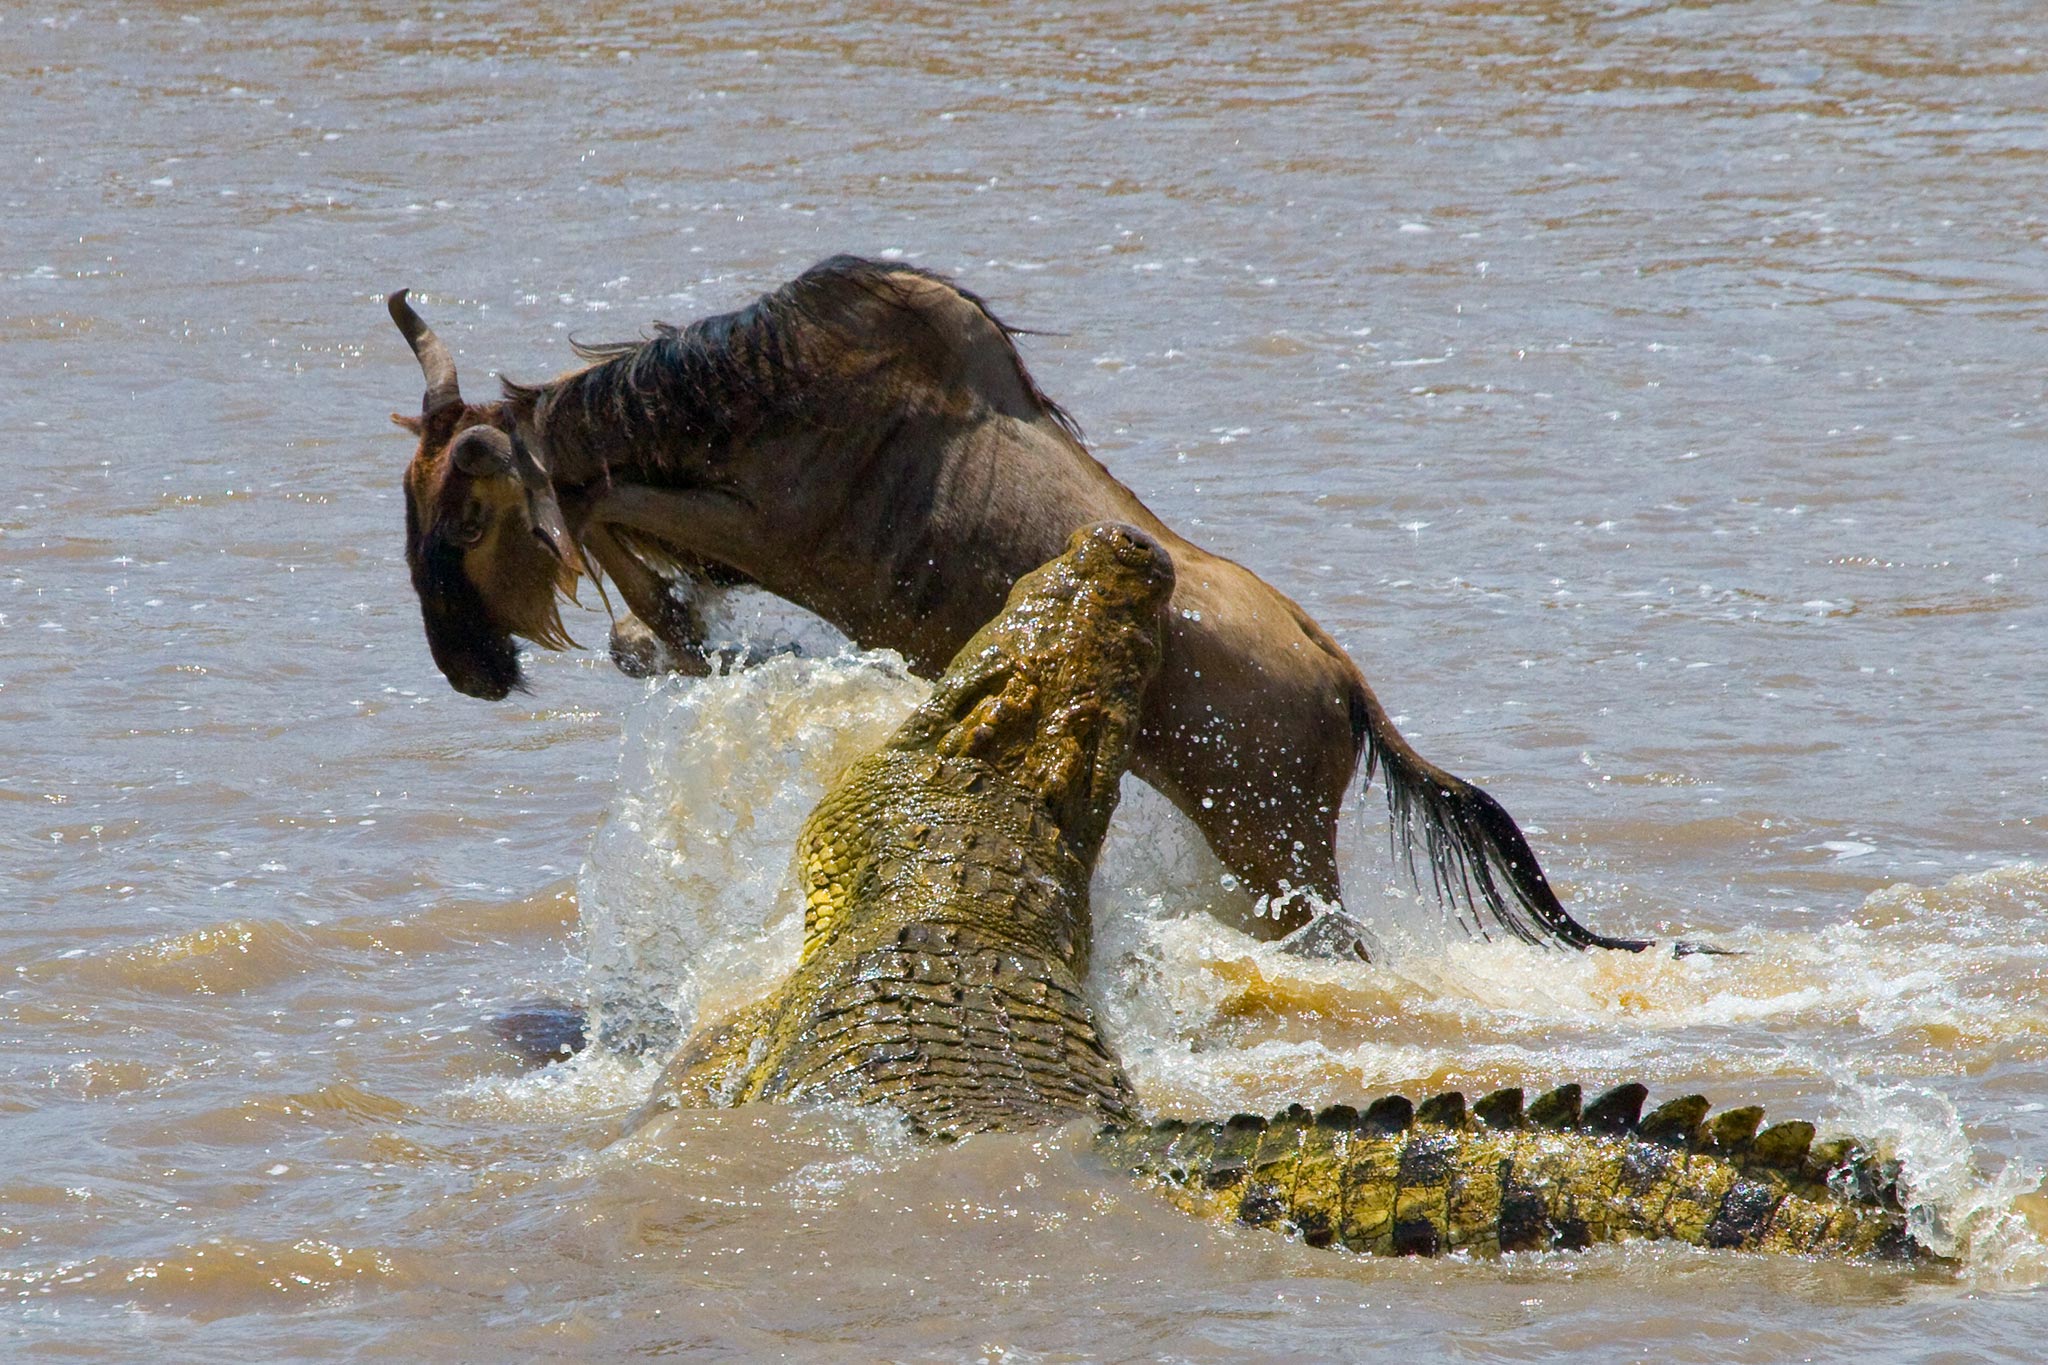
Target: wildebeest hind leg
x=1271 y=854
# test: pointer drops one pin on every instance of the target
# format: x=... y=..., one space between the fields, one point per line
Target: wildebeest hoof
x=1331 y=935
x=542 y=1031
x=637 y=651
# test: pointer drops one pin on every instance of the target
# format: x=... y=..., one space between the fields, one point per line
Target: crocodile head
x=1049 y=692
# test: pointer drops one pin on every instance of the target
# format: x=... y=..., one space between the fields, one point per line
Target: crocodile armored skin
x=1425 y=1180
x=947 y=929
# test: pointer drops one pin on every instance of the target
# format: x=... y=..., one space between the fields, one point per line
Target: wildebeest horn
x=433 y=355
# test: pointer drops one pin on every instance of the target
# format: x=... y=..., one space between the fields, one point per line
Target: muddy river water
x=1650 y=396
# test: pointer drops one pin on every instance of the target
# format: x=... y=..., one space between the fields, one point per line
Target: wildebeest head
x=484 y=535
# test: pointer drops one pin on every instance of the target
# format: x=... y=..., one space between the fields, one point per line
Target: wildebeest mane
x=797 y=356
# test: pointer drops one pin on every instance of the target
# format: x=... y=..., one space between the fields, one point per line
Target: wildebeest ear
x=483 y=453
x=411 y=424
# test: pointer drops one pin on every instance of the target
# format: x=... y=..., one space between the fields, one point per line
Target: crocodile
x=946 y=934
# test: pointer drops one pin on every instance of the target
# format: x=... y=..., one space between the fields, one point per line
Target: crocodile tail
x=1404 y=1179
x=1476 y=854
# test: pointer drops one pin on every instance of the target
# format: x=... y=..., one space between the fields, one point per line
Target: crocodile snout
x=1123 y=551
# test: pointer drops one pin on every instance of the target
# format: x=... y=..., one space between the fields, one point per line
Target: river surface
x=1651 y=397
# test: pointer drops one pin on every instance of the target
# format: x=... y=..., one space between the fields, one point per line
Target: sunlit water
x=1650 y=397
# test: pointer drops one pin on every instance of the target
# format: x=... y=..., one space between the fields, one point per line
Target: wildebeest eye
x=468 y=529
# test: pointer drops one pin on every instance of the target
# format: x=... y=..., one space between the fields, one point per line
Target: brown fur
x=867 y=443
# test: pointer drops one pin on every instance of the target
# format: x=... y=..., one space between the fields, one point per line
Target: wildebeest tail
x=1479 y=863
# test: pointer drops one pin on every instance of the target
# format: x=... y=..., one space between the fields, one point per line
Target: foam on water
x=1955 y=1209
x=689 y=906
x=596 y=1082
x=688 y=899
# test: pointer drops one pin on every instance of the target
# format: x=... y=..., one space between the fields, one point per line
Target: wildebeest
x=866 y=442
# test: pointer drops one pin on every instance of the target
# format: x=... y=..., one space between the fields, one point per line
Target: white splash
x=688 y=898
x=689 y=904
